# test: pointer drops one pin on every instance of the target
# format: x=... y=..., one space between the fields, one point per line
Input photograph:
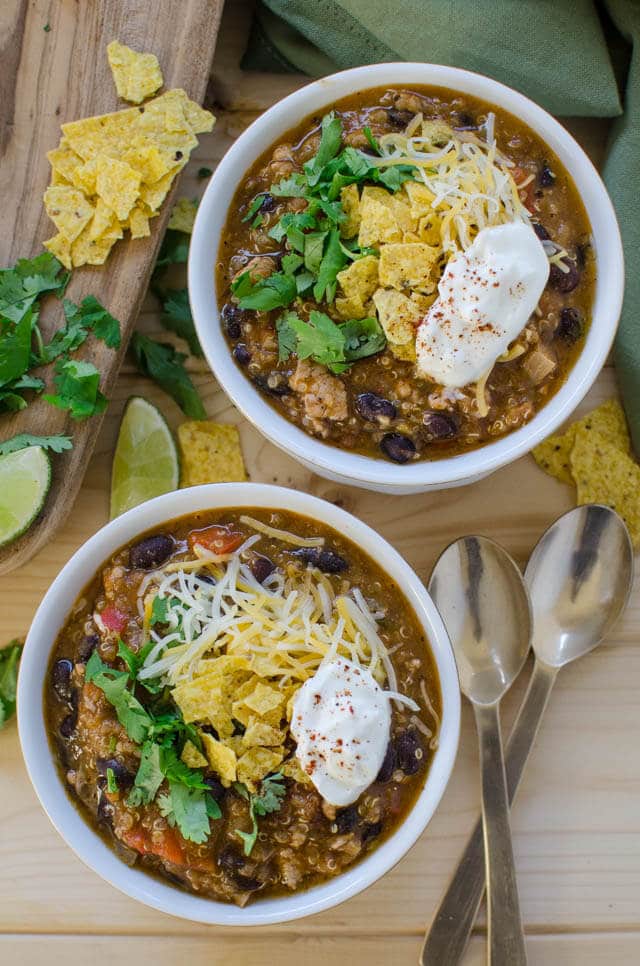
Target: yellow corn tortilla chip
x=210 y=453
x=351 y=308
x=105 y=222
x=221 y=758
x=398 y=315
x=608 y=419
x=420 y=198
x=408 y=268
x=86 y=250
x=138 y=223
x=259 y=733
x=183 y=215
x=377 y=224
x=406 y=351
x=397 y=204
x=61 y=248
x=117 y=184
x=605 y=474
x=360 y=279
x=263 y=699
x=64 y=160
x=85 y=176
x=148 y=160
x=257 y=763
x=350 y=201
x=136 y=76
x=291 y=768
x=68 y=209
x=192 y=757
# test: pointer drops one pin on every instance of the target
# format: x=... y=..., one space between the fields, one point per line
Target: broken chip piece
x=183 y=215
x=608 y=419
x=136 y=76
x=603 y=473
x=210 y=453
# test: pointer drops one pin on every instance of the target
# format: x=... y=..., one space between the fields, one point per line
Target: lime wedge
x=145 y=463
x=25 y=477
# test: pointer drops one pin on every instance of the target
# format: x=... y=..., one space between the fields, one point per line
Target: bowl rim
x=38 y=755
x=365 y=470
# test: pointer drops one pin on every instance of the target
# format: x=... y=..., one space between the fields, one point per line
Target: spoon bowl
x=579 y=580
x=479 y=591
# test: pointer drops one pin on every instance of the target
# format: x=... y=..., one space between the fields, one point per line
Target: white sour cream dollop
x=341 y=722
x=486 y=297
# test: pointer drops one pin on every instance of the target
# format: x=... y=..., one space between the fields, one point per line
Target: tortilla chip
x=263 y=699
x=259 y=733
x=398 y=315
x=351 y=308
x=408 y=267
x=406 y=352
x=210 y=453
x=183 y=216
x=86 y=250
x=604 y=474
x=61 y=248
x=360 y=279
x=149 y=161
x=377 y=224
x=221 y=758
x=350 y=201
x=138 y=223
x=64 y=160
x=257 y=763
x=68 y=209
x=105 y=223
x=192 y=757
x=395 y=202
x=117 y=184
x=608 y=419
x=292 y=769
x=136 y=76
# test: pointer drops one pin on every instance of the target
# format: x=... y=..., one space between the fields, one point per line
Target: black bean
x=465 y=122
x=346 y=819
x=274 y=384
x=397 y=447
x=121 y=773
x=151 y=552
x=374 y=407
x=371 y=830
x=269 y=203
x=61 y=679
x=546 y=177
x=68 y=724
x=407 y=744
x=87 y=646
x=564 y=282
x=233 y=317
x=105 y=810
x=230 y=859
x=241 y=354
x=389 y=763
x=540 y=231
x=440 y=425
x=261 y=568
x=581 y=254
x=570 y=326
x=399 y=119
x=327 y=561
x=215 y=786
x=247 y=882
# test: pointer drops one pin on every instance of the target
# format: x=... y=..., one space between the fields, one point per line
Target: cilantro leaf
x=130 y=713
x=29 y=278
x=254 y=207
x=362 y=338
x=319 y=338
x=295 y=186
x=112 y=785
x=189 y=812
x=204 y=172
x=322 y=339
x=329 y=146
x=57 y=444
x=81 y=319
x=15 y=347
x=177 y=317
x=164 y=365
x=77 y=385
x=160 y=610
x=395 y=176
x=268 y=800
x=149 y=776
x=332 y=262
x=314 y=250
x=9 y=660
x=174 y=249
x=291 y=226
x=287 y=338
x=291 y=263
x=373 y=144
x=272 y=292
x=176 y=770
x=10 y=397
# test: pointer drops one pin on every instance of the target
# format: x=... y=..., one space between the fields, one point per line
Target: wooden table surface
x=576 y=821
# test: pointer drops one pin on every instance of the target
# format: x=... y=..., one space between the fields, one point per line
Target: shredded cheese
x=283 y=535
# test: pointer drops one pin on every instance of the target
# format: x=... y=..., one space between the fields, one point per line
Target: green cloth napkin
x=571 y=56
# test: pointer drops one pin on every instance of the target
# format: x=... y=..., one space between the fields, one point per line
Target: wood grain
x=576 y=820
x=49 y=77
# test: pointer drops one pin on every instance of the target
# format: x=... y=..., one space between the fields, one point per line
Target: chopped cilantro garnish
x=269 y=799
x=326 y=342
x=9 y=660
x=275 y=291
x=57 y=444
x=371 y=140
x=190 y=809
x=159 y=610
x=77 y=384
x=257 y=221
x=149 y=776
x=174 y=249
x=254 y=207
x=204 y=172
x=29 y=278
x=176 y=316
x=114 y=684
x=89 y=316
x=163 y=364
x=112 y=784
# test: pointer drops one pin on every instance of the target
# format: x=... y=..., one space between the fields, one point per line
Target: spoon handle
x=450 y=930
x=505 y=934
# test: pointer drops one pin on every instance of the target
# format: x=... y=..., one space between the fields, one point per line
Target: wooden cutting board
x=54 y=69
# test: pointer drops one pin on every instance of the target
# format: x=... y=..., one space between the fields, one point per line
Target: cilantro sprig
x=9 y=660
x=57 y=444
x=267 y=800
x=334 y=345
x=165 y=365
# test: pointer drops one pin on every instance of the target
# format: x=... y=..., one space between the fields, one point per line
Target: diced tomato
x=216 y=539
x=167 y=848
x=113 y=619
x=527 y=194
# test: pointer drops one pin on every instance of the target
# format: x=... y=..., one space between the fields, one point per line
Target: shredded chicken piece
x=324 y=396
x=259 y=267
x=539 y=364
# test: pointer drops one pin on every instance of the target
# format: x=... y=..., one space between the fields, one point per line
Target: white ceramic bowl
x=86 y=842
x=330 y=461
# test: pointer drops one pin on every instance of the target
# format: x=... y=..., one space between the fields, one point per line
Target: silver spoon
x=481 y=596
x=579 y=578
